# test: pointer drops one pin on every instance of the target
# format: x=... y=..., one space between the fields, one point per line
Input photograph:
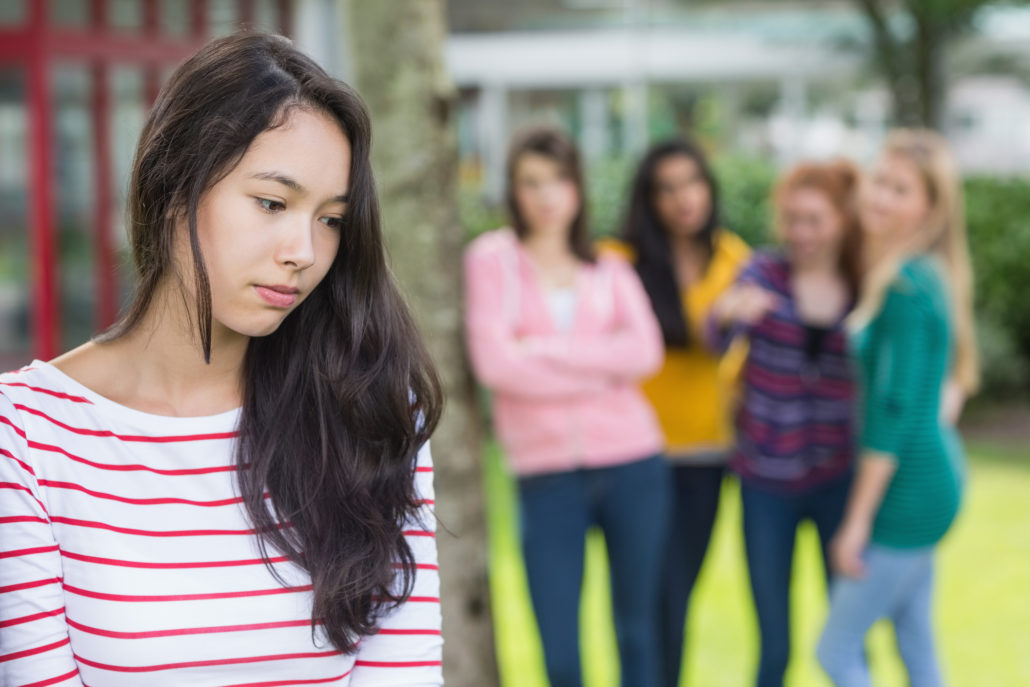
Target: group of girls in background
x=826 y=372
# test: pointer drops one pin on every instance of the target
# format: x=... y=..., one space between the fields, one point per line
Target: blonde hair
x=943 y=235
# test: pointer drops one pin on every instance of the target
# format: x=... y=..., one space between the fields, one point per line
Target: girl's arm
x=34 y=645
x=898 y=367
x=407 y=650
x=501 y=361
x=874 y=474
x=634 y=350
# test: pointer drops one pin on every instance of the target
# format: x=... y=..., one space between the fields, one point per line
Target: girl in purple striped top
x=794 y=446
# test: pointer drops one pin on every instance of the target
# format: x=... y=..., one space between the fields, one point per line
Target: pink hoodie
x=562 y=400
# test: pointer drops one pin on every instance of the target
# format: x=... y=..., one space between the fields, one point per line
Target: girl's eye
x=270 y=206
x=333 y=222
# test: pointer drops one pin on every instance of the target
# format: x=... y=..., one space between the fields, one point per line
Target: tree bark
x=397 y=57
x=930 y=36
x=892 y=58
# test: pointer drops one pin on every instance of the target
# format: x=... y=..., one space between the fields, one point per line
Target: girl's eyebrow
x=294 y=185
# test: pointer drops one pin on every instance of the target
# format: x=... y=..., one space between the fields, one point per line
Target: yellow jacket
x=690 y=392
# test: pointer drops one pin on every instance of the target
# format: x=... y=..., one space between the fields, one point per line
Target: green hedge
x=998 y=212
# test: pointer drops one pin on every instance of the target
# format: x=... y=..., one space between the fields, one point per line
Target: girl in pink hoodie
x=562 y=338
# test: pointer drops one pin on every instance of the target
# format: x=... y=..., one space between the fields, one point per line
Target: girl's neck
x=548 y=247
x=823 y=265
x=159 y=367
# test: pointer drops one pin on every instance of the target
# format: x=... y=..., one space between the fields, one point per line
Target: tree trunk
x=397 y=56
x=891 y=57
x=929 y=39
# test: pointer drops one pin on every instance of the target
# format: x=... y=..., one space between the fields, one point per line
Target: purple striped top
x=795 y=423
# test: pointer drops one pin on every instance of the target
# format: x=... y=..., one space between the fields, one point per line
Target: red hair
x=838 y=181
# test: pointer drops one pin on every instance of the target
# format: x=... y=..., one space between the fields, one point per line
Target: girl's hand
x=746 y=304
x=846 y=550
x=952 y=400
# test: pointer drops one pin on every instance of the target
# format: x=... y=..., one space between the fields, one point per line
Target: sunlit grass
x=983 y=595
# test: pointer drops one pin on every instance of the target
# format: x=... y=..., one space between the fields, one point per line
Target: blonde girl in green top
x=914 y=340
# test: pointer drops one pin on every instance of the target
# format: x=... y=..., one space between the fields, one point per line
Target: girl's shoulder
x=496 y=242
x=919 y=276
x=768 y=266
x=611 y=246
x=730 y=247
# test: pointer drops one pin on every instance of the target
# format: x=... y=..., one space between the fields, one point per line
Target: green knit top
x=905 y=356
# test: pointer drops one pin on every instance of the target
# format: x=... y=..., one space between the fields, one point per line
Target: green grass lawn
x=983 y=595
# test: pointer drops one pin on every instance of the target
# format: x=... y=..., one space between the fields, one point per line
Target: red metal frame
x=35 y=47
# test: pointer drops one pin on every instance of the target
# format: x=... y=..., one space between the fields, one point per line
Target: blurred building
x=781 y=80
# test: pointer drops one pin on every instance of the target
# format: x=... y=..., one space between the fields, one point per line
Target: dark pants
x=771 y=520
x=629 y=503
x=695 y=501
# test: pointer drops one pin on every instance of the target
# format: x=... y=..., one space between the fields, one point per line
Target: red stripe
x=24 y=518
x=285 y=683
x=10 y=423
x=418 y=533
x=416 y=599
x=55 y=394
x=409 y=632
x=75 y=522
x=30 y=618
x=28 y=552
x=201 y=664
x=127 y=437
x=33 y=651
x=169 y=566
x=189 y=630
x=396 y=664
x=139 y=502
x=24 y=466
x=423 y=469
x=54 y=680
x=21 y=487
x=29 y=585
x=185 y=597
x=131 y=467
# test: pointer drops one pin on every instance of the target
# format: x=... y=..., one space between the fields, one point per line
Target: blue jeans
x=695 y=501
x=771 y=521
x=898 y=584
x=629 y=502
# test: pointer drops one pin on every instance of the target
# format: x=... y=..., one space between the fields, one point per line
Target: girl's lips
x=280 y=297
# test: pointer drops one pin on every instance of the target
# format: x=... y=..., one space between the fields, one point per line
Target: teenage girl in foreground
x=230 y=486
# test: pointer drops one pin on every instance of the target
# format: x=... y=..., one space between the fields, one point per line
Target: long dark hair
x=339 y=399
x=554 y=145
x=643 y=230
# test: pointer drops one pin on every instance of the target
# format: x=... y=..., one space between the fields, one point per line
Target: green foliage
x=608 y=182
x=744 y=186
x=998 y=215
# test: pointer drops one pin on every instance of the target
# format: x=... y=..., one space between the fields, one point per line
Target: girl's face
x=547 y=198
x=895 y=203
x=682 y=196
x=813 y=229
x=270 y=229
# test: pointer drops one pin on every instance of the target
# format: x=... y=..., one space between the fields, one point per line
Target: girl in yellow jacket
x=685 y=260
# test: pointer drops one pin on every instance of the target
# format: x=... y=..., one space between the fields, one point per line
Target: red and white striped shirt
x=126 y=558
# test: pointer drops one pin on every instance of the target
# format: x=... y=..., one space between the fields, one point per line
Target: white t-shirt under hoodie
x=126 y=558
